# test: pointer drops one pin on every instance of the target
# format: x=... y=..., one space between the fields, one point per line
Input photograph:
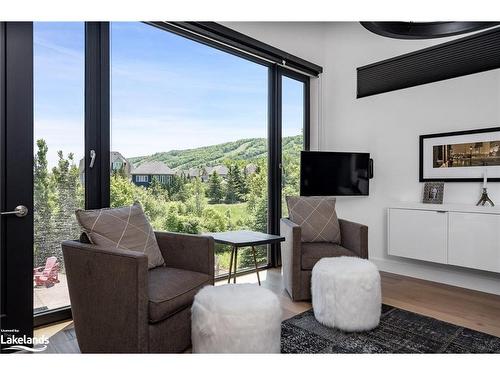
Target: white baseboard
x=476 y=280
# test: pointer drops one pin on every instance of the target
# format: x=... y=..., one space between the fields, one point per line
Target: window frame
x=98 y=121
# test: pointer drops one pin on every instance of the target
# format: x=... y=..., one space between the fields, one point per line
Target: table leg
x=255 y=261
x=230 y=265
x=235 y=263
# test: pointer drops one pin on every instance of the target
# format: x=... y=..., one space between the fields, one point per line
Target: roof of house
x=153 y=168
x=194 y=172
x=115 y=155
x=220 y=169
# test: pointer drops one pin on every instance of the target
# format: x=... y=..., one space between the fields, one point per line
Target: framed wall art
x=462 y=156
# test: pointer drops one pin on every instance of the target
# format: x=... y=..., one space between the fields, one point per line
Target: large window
x=196 y=117
x=58 y=149
x=191 y=138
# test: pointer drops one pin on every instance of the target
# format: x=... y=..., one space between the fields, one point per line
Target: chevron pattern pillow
x=316 y=217
x=125 y=228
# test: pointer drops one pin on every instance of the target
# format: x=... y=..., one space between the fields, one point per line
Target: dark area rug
x=399 y=331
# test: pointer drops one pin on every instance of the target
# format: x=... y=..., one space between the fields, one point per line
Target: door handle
x=92 y=158
x=19 y=211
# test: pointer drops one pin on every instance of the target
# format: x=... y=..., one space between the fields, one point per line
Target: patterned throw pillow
x=125 y=228
x=316 y=217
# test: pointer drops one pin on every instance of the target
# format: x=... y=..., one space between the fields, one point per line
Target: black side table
x=243 y=238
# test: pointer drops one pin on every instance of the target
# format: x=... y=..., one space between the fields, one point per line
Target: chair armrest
x=354 y=237
x=187 y=251
x=109 y=297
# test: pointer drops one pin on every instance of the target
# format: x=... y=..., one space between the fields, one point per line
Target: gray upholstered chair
x=120 y=307
x=298 y=258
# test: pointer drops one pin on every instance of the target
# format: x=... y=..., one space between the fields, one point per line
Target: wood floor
x=471 y=309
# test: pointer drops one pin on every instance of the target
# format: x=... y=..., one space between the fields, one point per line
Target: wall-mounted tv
x=335 y=173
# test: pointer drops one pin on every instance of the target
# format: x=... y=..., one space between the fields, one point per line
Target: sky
x=167 y=92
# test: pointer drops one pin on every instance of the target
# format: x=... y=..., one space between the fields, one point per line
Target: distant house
x=251 y=168
x=119 y=163
x=221 y=170
x=116 y=163
x=144 y=174
x=193 y=173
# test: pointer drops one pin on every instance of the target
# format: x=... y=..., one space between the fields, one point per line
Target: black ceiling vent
x=472 y=54
x=424 y=30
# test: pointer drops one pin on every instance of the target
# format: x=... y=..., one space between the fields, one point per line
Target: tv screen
x=334 y=173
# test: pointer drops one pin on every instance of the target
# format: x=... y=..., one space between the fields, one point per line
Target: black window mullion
x=97 y=114
x=307 y=113
x=274 y=159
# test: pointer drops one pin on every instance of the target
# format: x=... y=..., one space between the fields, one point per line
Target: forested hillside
x=237 y=201
x=250 y=150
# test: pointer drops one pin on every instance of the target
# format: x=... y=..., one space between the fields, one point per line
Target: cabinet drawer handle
x=441 y=212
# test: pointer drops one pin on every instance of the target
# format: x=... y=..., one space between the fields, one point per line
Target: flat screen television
x=334 y=173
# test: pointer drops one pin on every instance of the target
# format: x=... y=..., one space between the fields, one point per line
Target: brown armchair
x=298 y=258
x=119 y=306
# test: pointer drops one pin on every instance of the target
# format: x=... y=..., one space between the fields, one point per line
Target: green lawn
x=238 y=210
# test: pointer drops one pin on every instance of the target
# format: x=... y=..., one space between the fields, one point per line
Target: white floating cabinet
x=465 y=236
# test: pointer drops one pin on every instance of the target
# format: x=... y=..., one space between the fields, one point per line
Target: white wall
x=388 y=125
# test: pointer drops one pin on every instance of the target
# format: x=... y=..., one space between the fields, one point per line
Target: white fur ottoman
x=236 y=318
x=346 y=293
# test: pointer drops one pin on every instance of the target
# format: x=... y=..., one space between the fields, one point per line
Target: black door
x=16 y=179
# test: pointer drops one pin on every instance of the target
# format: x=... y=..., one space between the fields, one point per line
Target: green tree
x=157 y=189
x=197 y=196
x=244 y=189
x=122 y=192
x=257 y=201
x=44 y=205
x=69 y=197
x=215 y=191
x=213 y=221
x=241 y=184
x=176 y=189
x=257 y=216
x=233 y=185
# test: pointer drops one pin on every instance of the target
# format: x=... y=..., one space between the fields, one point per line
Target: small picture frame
x=433 y=192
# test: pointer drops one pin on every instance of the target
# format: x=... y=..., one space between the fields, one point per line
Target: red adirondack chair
x=48 y=275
